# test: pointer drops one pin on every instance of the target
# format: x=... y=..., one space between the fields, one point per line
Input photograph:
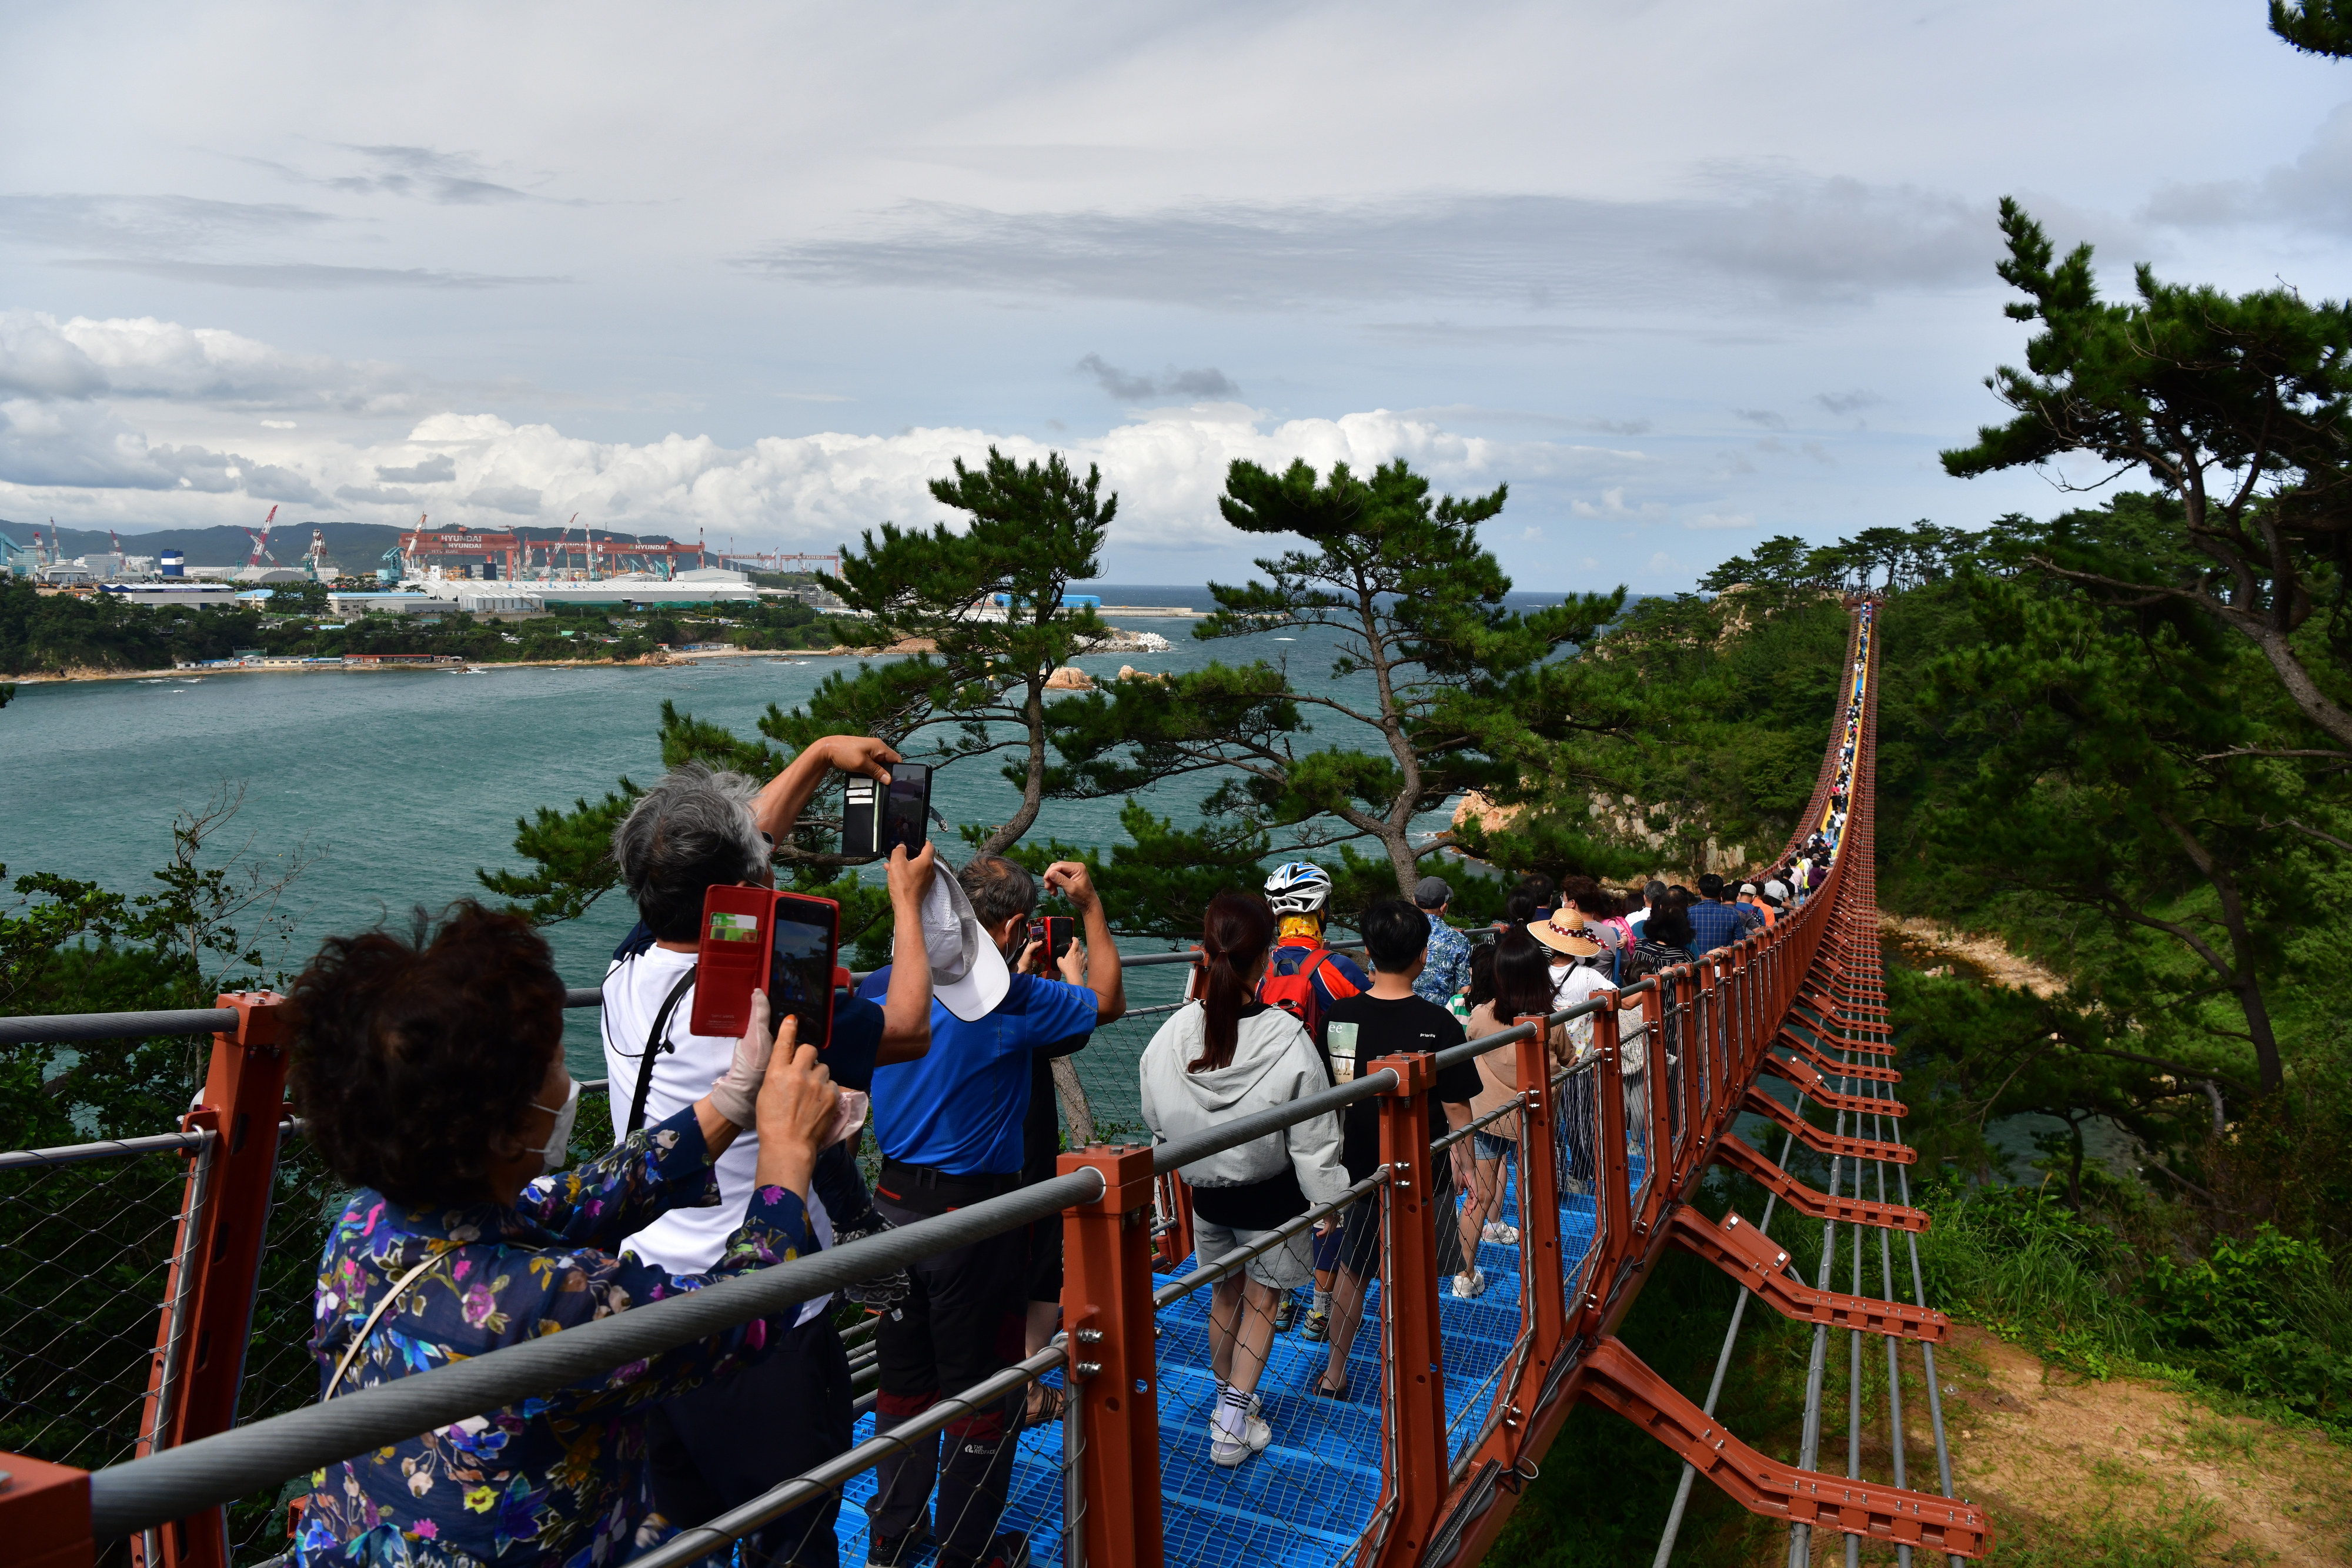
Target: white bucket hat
x=968 y=974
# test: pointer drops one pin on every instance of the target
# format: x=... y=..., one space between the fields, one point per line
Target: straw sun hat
x=1561 y=938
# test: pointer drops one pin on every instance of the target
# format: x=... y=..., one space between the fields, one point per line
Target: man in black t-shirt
x=1389 y=1020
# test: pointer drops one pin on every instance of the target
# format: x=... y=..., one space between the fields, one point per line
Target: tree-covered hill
x=355 y=547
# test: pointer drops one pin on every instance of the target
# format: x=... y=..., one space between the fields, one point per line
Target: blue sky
x=1682 y=275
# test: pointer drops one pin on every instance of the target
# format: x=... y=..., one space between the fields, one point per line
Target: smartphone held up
x=877 y=817
x=786 y=944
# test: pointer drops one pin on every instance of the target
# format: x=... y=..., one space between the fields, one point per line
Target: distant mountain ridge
x=352 y=547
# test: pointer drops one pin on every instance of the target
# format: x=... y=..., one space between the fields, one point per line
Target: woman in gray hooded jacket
x=1224 y=1056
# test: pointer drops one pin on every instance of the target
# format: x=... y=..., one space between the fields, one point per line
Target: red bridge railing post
x=1113 y=1374
x=1412 y=1410
x=1657 y=1086
x=1612 y=1179
x=44 y=1514
x=1543 y=1272
x=243 y=1101
x=1691 y=1035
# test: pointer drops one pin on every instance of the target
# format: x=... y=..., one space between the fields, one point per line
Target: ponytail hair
x=1234 y=934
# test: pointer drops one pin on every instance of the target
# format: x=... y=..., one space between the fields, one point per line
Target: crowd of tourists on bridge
x=429 y=1067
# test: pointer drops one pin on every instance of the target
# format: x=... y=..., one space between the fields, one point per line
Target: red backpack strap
x=1322 y=955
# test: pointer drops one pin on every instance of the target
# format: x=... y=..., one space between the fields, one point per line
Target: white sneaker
x=1500 y=1234
x=1228 y=1450
x=1473 y=1283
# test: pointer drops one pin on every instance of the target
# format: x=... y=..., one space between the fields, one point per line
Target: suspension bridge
x=159 y=1396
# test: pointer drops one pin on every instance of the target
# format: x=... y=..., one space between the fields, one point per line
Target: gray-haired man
x=718 y=1446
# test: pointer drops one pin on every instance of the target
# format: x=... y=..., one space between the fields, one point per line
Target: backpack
x=1294 y=993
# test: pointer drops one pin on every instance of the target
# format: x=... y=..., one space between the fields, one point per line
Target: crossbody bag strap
x=656 y=1041
x=359 y=1340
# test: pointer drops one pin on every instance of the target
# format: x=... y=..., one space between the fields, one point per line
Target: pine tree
x=1456 y=677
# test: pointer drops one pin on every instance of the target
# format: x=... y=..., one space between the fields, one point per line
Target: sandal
x=1043 y=1404
x=1338 y=1393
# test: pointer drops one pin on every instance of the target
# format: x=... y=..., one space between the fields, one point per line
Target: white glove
x=736 y=1094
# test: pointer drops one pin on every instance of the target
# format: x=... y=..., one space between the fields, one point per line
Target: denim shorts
x=1491 y=1147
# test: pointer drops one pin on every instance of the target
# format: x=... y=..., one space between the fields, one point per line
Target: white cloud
x=1612 y=506
x=42 y=357
x=70 y=444
x=1721 y=520
x=81 y=445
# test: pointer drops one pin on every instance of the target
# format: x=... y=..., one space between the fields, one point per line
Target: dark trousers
x=961 y=1321
x=717 y=1447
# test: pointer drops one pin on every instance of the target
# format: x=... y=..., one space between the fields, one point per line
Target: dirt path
x=2130 y=1470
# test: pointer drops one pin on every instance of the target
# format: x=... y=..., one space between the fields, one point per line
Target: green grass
x=2169 y=1533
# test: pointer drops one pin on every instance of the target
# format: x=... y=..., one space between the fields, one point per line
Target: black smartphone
x=906 y=808
x=1056 y=931
x=804 y=944
x=875 y=817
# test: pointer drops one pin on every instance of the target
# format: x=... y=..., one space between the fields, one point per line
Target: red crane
x=261 y=544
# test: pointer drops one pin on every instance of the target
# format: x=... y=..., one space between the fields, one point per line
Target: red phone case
x=732 y=958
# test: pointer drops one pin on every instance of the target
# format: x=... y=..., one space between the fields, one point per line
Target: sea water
x=403 y=783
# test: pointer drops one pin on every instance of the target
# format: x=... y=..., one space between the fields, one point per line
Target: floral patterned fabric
x=1448 y=968
x=558 y=1479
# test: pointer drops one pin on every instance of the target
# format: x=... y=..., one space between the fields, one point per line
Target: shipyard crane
x=553 y=559
x=261 y=544
x=315 y=556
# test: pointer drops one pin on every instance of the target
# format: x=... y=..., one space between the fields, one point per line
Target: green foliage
x=1159 y=881
x=2174 y=1532
x=2239 y=407
x=68 y=946
x=89 y=1242
x=2264 y=1317
x=572 y=857
x=1033 y=530
x=2245 y=1290
x=1907 y=556
x=1457 y=680
x=41 y=634
x=1698 y=724
x=571 y=852
x=2315 y=26
x=2107 y=777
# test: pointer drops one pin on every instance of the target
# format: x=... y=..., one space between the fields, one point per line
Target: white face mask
x=559 y=1142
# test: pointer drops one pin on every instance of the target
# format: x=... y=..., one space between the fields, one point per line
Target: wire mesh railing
x=88 y=1231
x=1483 y=1305
x=1287 y=1468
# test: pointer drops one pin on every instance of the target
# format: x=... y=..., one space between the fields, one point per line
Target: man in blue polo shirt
x=1716 y=924
x=951 y=1131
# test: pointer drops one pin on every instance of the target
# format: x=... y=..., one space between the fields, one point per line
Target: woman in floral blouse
x=431 y=1074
